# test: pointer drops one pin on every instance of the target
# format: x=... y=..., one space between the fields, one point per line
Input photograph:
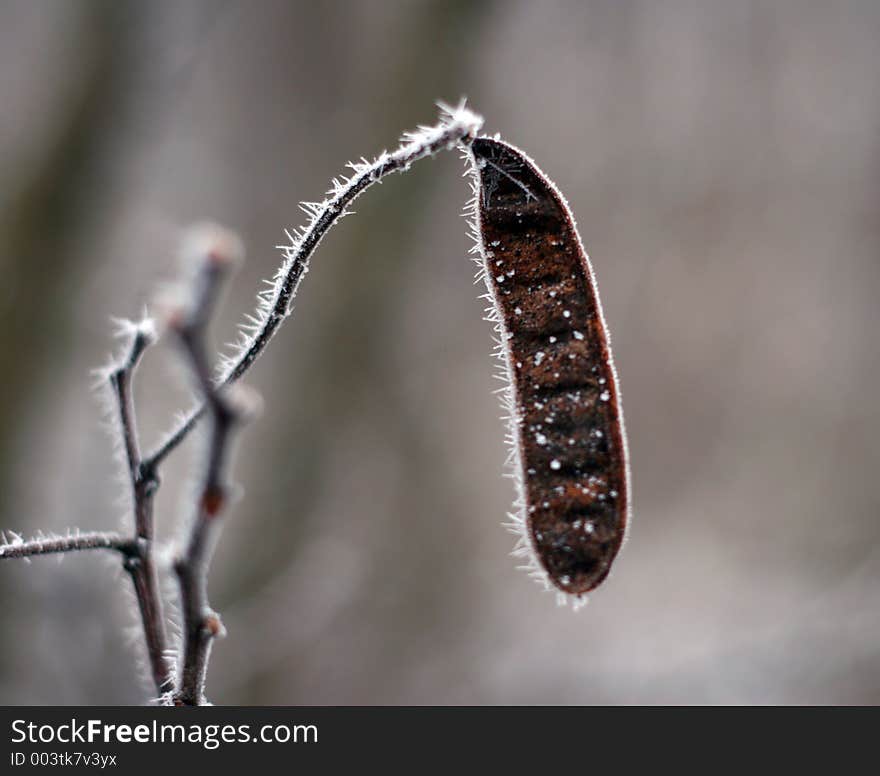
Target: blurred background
x=723 y=161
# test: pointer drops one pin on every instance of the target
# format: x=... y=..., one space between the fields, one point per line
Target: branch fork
x=213 y=252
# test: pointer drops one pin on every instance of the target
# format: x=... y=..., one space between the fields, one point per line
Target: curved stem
x=457 y=125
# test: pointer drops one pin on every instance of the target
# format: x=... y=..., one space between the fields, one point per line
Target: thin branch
x=457 y=125
x=142 y=335
x=201 y=625
x=137 y=550
x=48 y=545
x=141 y=565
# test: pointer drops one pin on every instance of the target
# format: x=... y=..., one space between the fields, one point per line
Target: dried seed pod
x=569 y=444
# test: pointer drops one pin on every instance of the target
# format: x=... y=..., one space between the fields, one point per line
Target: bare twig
x=137 y=550
x=457 y=125
x=141 y=565
x=201 y=625
x=48 y=545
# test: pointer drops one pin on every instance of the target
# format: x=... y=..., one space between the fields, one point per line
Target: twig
x=40 y=545
x=201 y=625
x=141 y=565
x=457 y=125
x=137 y=550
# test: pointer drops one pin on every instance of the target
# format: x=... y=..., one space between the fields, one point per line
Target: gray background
x=722 y=160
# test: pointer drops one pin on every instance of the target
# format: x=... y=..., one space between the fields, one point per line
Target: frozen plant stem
x=137 y=550
x=141 y=564
x=201 y=625
x=457 y=125
x=49 y=545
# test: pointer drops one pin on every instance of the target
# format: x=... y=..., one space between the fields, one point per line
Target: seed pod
x=569 y=444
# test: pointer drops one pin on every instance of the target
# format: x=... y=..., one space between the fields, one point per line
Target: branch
x=141 y=564
x=137 y=550
x=201 y=625
x=457 y=125
x=48 y=545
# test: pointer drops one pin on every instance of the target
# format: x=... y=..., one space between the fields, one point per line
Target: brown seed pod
x=569 y=451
